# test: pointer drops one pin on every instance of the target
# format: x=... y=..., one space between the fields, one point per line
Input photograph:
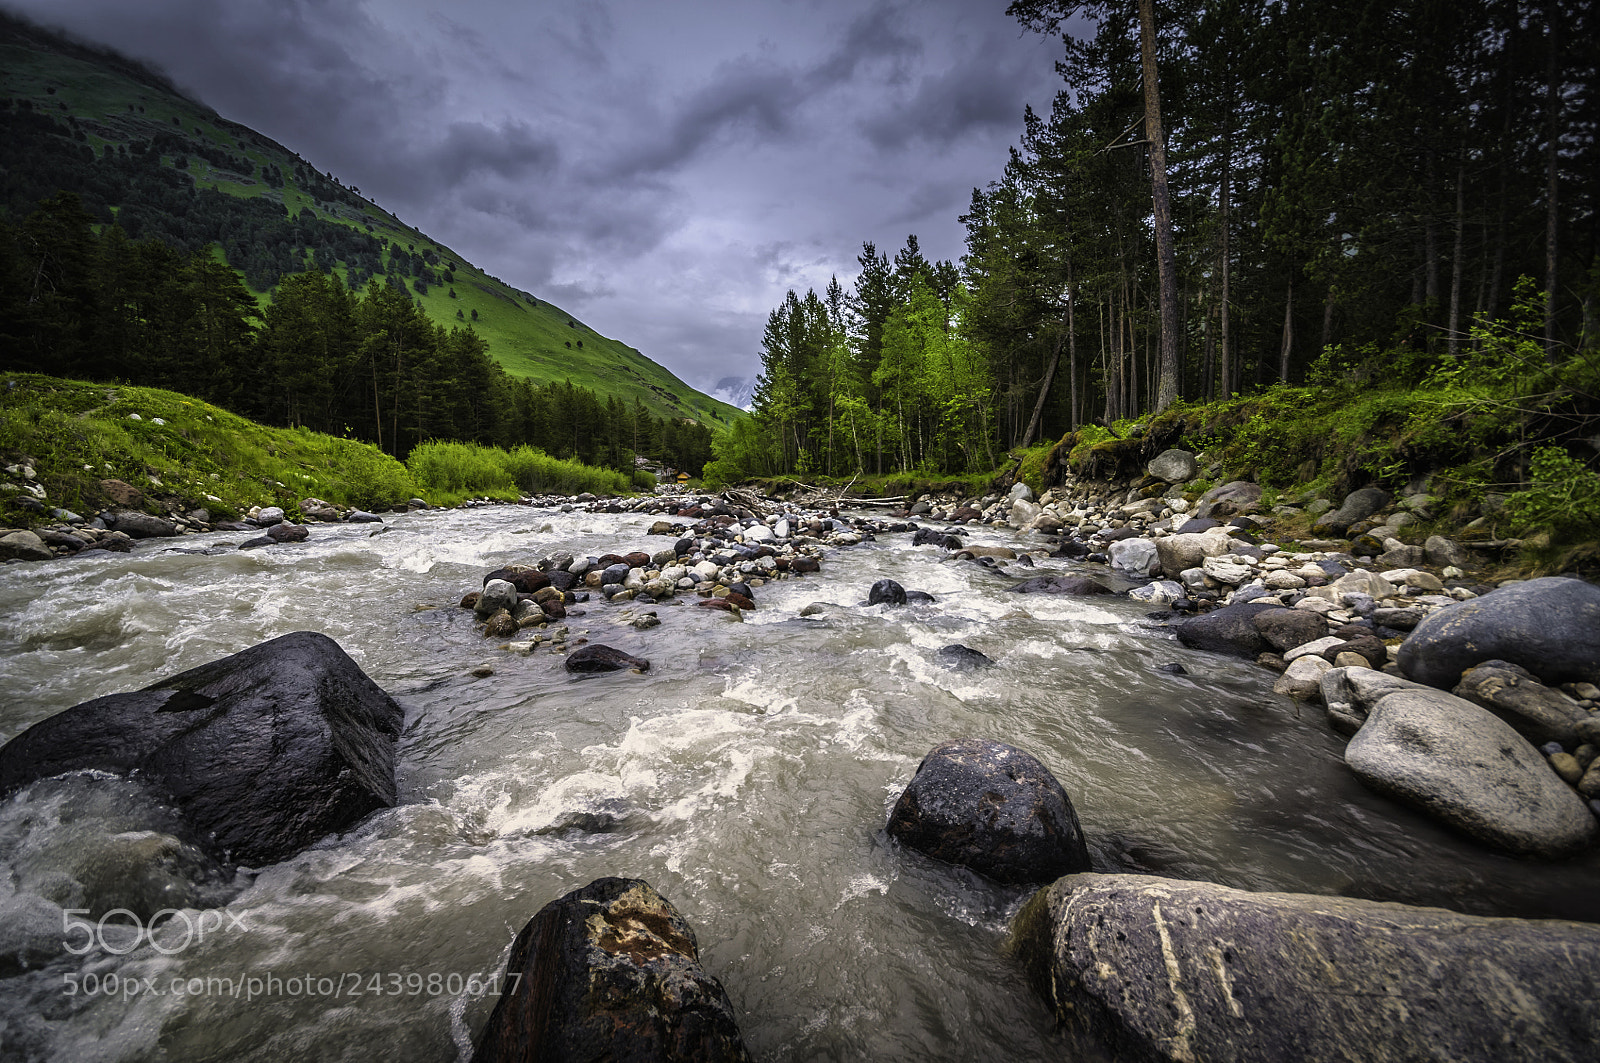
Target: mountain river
x=747 y=776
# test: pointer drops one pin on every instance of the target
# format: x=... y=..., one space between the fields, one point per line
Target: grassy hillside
x=137 y=150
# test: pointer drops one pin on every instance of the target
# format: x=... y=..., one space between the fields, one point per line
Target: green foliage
x=1563 y=495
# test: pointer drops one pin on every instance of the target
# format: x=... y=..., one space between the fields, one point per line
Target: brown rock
x=123 y=494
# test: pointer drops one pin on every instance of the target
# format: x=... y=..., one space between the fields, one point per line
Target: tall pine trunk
x=1166 y=255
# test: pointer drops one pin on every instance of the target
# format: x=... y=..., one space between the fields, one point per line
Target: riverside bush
x=450 y=472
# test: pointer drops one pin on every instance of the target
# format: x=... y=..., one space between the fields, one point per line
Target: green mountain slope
x=162 y=165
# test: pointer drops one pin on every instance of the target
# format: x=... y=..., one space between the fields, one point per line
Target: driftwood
x=813 y=498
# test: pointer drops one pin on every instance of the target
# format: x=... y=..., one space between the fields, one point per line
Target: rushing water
x=747 y=776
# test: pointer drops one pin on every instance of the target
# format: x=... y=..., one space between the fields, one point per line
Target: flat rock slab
x=1464 y=766
x=610 y=972
x=261 y=753
x=1549 y=626
x=1165 y=969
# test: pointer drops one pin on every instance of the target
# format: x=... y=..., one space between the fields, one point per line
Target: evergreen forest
x=1248 y=198
x=89 y=301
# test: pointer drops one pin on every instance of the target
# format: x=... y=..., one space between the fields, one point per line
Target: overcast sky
x=664 y=169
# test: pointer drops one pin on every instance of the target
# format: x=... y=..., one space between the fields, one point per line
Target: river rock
x=1535 y=711
x=361 y=516
x=525 y=578
x=1079 y=585
x=1465 y=767
x=1161 y=592
x=886 y=592
x=1357 y=506
x=1369 y=648
x=284 y=532
x=610 y=972
x=1549 y=626
x=963 y=658
x=935 y=537
x=24 y=546
x=993 y=808
x=138 y=525
x=317 y=509
x=1302 y=680
x=268 y=515
x=1173 y=466
x=1231 y=630
x=497 y=594
x=599 y=658
x=1188 y=550
x=262 y=753
x=1169 y=970
x=1136 y=557
x=502 y=625
x=1444 y=552
x=1228 y=498
x=1285 y=629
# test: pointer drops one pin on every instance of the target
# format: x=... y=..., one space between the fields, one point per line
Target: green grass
x=76 y=434
x=451 y=472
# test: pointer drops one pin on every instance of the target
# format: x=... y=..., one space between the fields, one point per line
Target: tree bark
x=1166 y=255
x=1454 y=331
x=1552 y=179
x=1288 y=331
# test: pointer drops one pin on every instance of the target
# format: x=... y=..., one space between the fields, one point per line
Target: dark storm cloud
x=665 y=171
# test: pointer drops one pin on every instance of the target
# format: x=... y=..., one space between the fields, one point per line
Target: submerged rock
x=599 y=658
x=1164 y=969
x=261 y=753
x=963 y=658
x=610 y=972
x=1078 y=585
x=993 y=808
x=886 y=592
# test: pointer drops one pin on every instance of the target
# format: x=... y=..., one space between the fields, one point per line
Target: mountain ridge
x=141 y=152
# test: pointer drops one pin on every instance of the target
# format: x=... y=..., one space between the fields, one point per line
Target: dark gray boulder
x=261 y=753
x=610 y=972
x=993 y=808
x=599 y=658
x=1284 y=629
x=1231 y=630
x=288 y=533
x=935 y=537
x=963 y=658
x=886 y=592
x=138 y=525
x=1357 y=506
x=1549 y=626
x=1228 y=498
x=1165 y=969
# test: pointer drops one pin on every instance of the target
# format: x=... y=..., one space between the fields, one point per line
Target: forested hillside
x=157 y=166
x=1337 y=199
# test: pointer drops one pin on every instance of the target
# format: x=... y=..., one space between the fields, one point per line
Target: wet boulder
x=600 y=658
x=261 y=753
x=1231 y=630
x=1462 y=765
x=1549 y=626
x=284 y=532
x=1166 y=969
x=993 y=808
x=886 y=592
x=138 y=525
x=497 y=594
x=935 y=537
x=963 y=658
x=24 y=545
x=525 y=578
x=610 y=972
x=1284 y=629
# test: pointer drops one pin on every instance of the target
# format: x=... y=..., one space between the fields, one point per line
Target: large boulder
x=1164 y=969
x=261 y=753
x=1284 y=629
x=1231 y=630
x=1462 y=765
x=1549 y=626
x=886 y=592
x=993 y=808
x=24 y=545
x=1173 y=466
x=609 y=972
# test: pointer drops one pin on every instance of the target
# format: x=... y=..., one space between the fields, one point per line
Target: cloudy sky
x=664 y=169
